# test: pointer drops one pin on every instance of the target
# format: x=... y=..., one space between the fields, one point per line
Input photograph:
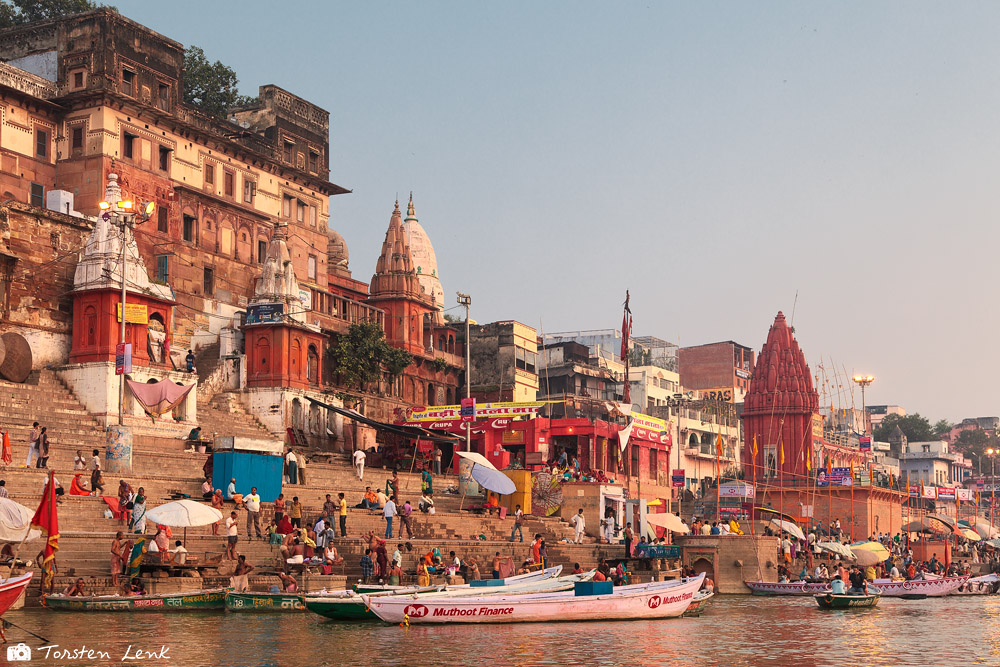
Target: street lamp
x=125 y=215
x=466 y=300
x=864 y=381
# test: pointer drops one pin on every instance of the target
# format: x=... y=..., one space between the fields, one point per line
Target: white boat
x=920 y=587
x=984 y=585
x=380 y=589
x=665 y=599
x=786 y=587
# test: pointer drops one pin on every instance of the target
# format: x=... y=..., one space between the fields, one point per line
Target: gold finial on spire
x=409 y=208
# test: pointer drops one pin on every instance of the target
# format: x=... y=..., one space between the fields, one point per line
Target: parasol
x=671 y=522
x=948 y=522
x=486 y=474
x=788 y=527
x=183 y=514
x=983 y=527
x=969 y=534
x=929 y=524
x=15 y=520
x=869 y=553
x=837 y=548
x=866 y=558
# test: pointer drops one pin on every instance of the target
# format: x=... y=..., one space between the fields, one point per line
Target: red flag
x=6 y=456
x=47 y=521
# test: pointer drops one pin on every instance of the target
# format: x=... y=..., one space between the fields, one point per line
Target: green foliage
x=942 y=427
x=440 y=365
x=210 y=87
x=362 y=356
x=916 y=428
x=19 y=12
x=639 y=356
x=448 y=317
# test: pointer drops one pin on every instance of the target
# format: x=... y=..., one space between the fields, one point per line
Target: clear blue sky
x=713 y=158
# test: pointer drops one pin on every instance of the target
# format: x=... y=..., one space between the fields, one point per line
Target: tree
x=362 y=356
x=210 y=87
x=942 y=427
x=19 y=12
x=915 y=427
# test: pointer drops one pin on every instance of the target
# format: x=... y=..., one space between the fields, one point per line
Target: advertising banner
x=468 y=409
x=963 y=494
x=262 y=313
x=837 y=477
x=865 y=443
x=135 y=313
x=677 y=478
x=123 y=358
x=445 y=412
x=946 y=493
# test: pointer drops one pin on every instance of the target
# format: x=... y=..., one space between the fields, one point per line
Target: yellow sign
x=647 y=422
x=135 y=313
x=483 y=410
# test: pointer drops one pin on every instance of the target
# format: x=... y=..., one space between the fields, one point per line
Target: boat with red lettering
x=786 y=587
x=921 y=587
x=190 y=601
x=589 y=601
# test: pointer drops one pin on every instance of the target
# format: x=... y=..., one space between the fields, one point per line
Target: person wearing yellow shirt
x=343 y=514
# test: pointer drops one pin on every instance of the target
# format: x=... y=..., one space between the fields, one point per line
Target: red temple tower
x=779 y=410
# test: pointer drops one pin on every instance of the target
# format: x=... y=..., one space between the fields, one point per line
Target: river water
x=733 y=631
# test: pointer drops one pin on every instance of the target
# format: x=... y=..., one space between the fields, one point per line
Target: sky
x=721 y=161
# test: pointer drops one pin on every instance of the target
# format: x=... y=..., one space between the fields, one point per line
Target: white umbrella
x=789 y=528
x=487 y=475
x=671 y=522
x=15 y=522
x=183 y=514
x=841 y=550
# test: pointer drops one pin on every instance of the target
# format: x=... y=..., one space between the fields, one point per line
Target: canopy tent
x=788 y=527
x=15 y=522
x=405 y=431
x=837 y=548
x=929 y=524
x=671 y=522
x=159 y=397
x=486 y=474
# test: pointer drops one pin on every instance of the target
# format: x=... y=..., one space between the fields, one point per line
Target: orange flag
x=852 y=472
x=781 y=452
x=718 y=444
x=753 y=450
x=809 y=465
x=47 y=521
x=6 y=456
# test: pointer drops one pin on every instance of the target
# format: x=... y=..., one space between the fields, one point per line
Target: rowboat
x=264 y=602
x=985 y=585
x=351 y=607
x=915 y=587
x=831 y=601
x=785 y=588
x=193 y=600
x=537 y=575
x=12 y=589
x=698 y=603
x=664 y=599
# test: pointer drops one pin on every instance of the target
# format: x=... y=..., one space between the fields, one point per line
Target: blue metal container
x=260 y=470
x=480 y=583
x=593 y=588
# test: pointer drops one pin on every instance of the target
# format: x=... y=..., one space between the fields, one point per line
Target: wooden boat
x=831 y=601
x=12 y=589
x=698 y=603
x=664 y=599
x=985 y=585
x=351 y=607
x=264 y=602
x=190 y=601
x=537 y=575
x=925 y=587
x=785 y=588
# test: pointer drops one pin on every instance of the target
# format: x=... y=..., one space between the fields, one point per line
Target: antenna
x=791 y=323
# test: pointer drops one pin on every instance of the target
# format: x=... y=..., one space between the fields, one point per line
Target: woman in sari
x=423 y=579
x=426 y=484
x=139 y=511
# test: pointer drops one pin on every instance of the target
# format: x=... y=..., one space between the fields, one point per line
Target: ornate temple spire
x=277 y=282
x=394 y=272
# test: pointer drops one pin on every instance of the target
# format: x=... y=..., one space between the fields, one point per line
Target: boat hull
x=192 y=601
x=264 y=602
x=346 y=609
x=698 y=604
x=641 y=601
x=785 y=588
x=929 y=588
x=12 y=589
x=831 y=601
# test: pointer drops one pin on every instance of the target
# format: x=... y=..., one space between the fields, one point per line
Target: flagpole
x=718 y=477
x=852 y=502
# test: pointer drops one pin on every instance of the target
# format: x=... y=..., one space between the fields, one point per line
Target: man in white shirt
x=231 y=489
x=293 y=467
x=359 y=463
x=389 y=511
x=320 y=529
x=180 y=553
x=232 y=530
x=381 y=497
x=579 y=523
x=252 y=502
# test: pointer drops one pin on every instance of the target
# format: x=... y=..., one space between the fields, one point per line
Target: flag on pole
x=6 y=456
x=47 y=521
x=718 y=444
x=753 y=450
x=852 y=473
x=829 y=466
x=781 y=451
x=871 y=474
x=809 y=465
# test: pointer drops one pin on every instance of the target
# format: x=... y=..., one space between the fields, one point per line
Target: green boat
x=341 y=608
x=831 y=601
x=264 y=602
x=190 y=601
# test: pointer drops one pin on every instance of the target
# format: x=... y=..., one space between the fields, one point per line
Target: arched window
x=296 y=413
x=90 y=325
x=441 y=343
x=295 y=359
x=430 y=394
x=312 y=365
x=262 y=356
x=451 y=344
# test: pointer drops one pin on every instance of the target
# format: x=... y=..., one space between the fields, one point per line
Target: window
x=300 y=211
x=287 y=149
x=314 y=162
x=163 y=97
x=249 y=190
x=261 y=251
x=286 y=206
x=37 y=190
x=209 y=282
x=161 y=219
x=128 y=145
x=312 y=216
x=209 y=174
x=524 y=359
x=228 y=185
x=653 y=456
x=41 y=143
x=189 y=227
x=164 y=158
x=128 y=82
x=312 y=267
x=161 y=268
x=78 y=80
x=77 y=137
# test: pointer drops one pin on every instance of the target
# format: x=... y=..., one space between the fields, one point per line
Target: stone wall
x=731 y=559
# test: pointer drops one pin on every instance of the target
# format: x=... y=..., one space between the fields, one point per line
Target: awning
x=406 y=431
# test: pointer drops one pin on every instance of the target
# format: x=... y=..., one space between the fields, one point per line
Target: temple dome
x=336 y=250
x=424 y=259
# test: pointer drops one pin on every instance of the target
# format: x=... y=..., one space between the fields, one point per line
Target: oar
x=9 y=624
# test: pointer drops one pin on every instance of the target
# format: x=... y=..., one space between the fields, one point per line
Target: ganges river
x=733 y=631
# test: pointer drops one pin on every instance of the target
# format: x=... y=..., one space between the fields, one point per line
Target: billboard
x=263 y=313
x=123 y=358
x=837 y=477
x=865 y=443
x=135 y=313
